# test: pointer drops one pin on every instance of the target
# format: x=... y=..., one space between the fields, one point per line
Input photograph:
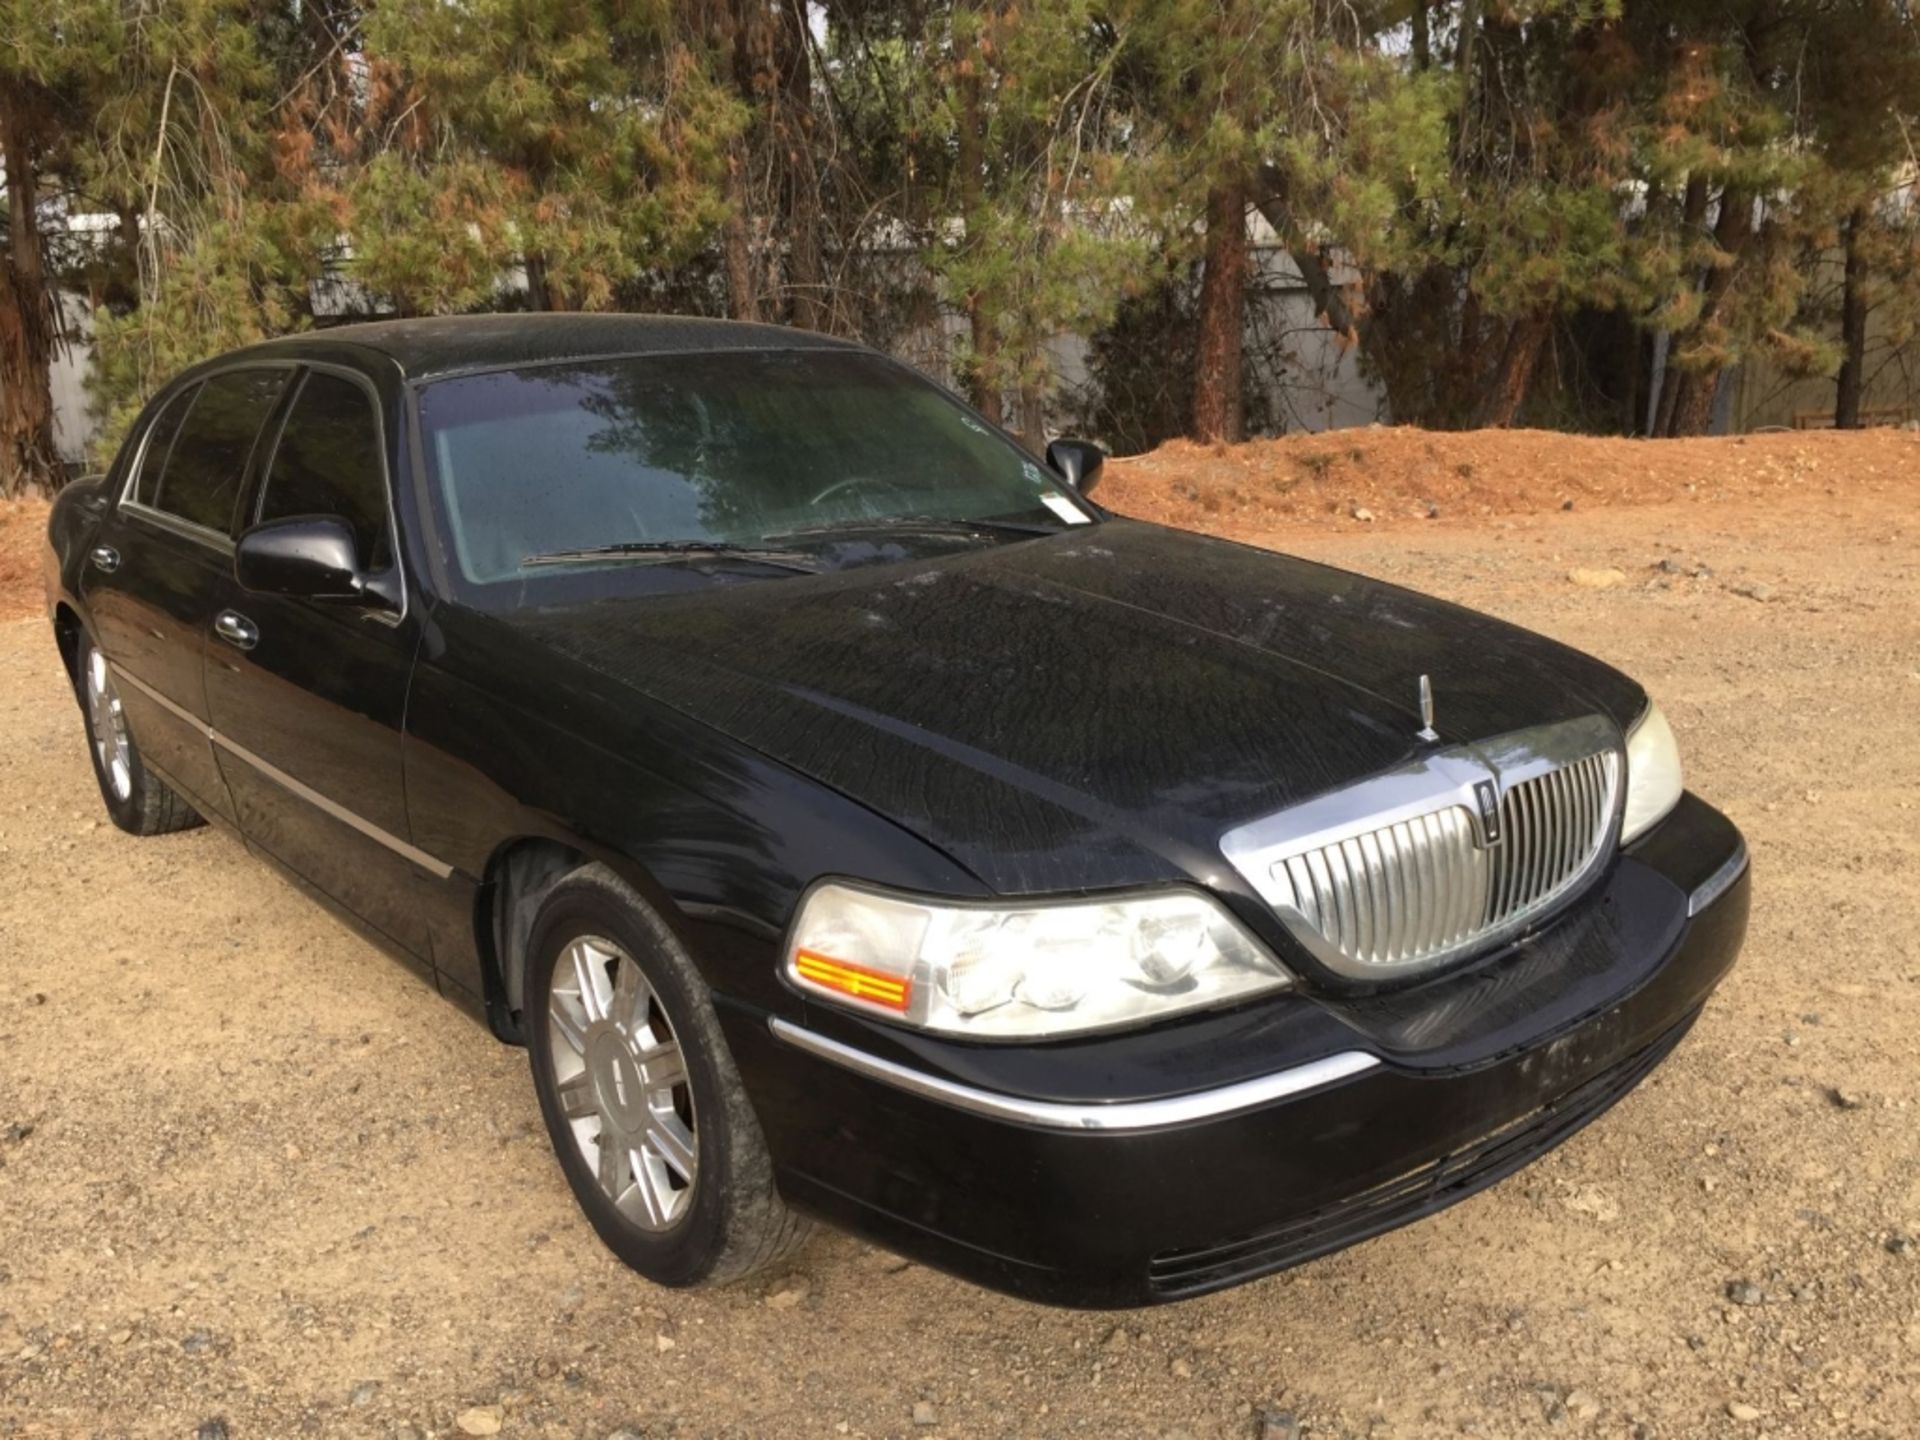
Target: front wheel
x=646 y=1111
x=138 y=801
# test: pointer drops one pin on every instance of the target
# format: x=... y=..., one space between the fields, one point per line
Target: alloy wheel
x=621 y=1079
x=109 y=725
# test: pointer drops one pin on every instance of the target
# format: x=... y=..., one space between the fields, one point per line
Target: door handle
x=105 y=557
x=236 y=629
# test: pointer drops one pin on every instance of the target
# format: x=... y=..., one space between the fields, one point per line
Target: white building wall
x=73 y=423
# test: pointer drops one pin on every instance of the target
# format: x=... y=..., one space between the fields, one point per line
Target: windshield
x=730 y=449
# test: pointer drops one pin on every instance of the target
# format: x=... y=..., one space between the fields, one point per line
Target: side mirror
x=313 y=557
x=1078 y=463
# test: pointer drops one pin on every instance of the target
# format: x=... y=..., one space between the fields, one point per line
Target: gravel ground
x=257 y=1181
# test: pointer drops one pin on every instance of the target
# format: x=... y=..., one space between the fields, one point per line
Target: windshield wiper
x=936 y=524
x=668 y=552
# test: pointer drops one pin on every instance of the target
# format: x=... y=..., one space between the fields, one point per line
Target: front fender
x=507 y=743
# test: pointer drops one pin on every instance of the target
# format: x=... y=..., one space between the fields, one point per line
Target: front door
x=307 y=698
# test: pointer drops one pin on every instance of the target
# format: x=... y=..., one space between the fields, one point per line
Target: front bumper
x=1129 y=1170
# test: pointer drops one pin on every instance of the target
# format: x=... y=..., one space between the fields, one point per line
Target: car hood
x=1088 y=710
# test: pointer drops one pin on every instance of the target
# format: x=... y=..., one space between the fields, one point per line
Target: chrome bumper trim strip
x=1717 y=884
x=1117 y=1116
x=439 y=869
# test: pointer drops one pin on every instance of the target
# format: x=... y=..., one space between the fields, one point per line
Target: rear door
x=307 y=698
x=163 y=558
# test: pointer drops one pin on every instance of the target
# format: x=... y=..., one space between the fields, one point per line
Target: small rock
x=663 y=1343
x=1596 y=579
x=229 y=1068
x=1745 y=1292
x=1181 y=1370
x=1740 y=1410
x=1581 y=1405
x=37 y=998
x=1669 y=566
x=624 y=1433
x=1845 y=1099
x=480 y=1420
x=1753 y=590
x=1278 y=1425
x=120 y=1337
x=924 y=1414
x=546 y=1367
x=1898 y=1244
x=19 y=1130
x=1566 y=504
x=196 y=1342
x=1360 y=512
x=363 y=1393
x=213 y=1429
x=788 y=1298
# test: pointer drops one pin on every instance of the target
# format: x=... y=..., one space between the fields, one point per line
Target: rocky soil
x=255 y=1180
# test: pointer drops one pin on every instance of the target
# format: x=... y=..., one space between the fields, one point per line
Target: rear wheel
x=646 y=1111
x=139 y=802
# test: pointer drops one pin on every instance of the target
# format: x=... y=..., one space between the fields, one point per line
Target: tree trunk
x=1693 y=216
x=1503 y=399
x=1422 y=37
x=982 y=377
x=27 y=456
x=806 y=276
x=1469 y=32
x=1853 y=326
x=539 y=292
x=1033 y=416
x=1219 y=407
x=1693 y=408
x=736 y=241
x=1633 y=404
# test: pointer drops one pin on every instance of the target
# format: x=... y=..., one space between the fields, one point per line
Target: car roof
x=454 y=344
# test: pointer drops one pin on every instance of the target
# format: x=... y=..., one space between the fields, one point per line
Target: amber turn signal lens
x=862 y=984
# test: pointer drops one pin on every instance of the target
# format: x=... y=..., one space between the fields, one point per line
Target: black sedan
x=853 y=820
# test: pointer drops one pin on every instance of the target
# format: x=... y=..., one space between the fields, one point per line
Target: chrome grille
x=1395 y=895
x=1418 y=867
x=1551 y=826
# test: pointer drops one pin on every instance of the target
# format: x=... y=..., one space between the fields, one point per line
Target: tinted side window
x=203 y=475
x=328 y=463
x=159 y=443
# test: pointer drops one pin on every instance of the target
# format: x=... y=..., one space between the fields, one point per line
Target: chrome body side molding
x=438 y=868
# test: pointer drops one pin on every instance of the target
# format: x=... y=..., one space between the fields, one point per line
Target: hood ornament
x=1426 y=731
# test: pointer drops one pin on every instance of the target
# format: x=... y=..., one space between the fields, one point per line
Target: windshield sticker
x=1065 y=509
x=1033 y=473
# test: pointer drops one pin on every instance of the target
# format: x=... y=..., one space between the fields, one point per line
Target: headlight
x=1028 y=971
x=1653 y=774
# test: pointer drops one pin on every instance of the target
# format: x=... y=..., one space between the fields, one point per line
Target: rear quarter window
x=202 y=476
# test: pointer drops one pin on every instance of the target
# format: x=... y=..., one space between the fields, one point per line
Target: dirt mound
x=23 y=534
x=1388 y=474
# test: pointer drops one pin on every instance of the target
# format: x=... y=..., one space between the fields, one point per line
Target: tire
x=139 y=801
x=696 y=1202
